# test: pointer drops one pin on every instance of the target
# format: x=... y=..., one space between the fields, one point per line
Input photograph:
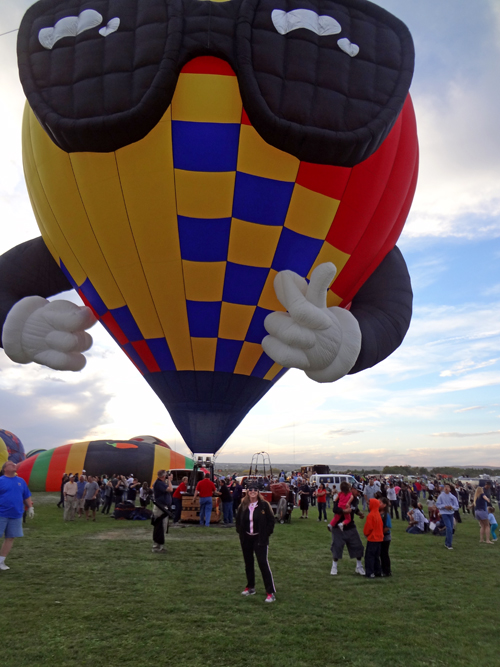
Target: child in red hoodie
x=374 y=532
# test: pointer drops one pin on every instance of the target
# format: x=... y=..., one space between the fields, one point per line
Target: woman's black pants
x=322 y=509
x=250 y=546
x=107 y=504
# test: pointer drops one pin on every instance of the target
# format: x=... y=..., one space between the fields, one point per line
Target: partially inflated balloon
x=44 y=471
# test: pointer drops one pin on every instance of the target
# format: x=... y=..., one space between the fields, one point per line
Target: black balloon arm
x=28 y=270
x=383 y=308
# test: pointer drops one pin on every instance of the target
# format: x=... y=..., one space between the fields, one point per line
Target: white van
x=332 y=479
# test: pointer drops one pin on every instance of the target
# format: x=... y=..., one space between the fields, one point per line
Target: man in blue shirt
x=14 y=498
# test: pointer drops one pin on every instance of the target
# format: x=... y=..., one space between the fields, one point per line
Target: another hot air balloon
x=44 y=471
x=15 y=447
x=151 y=439
x=176 y=174
x=34 y=452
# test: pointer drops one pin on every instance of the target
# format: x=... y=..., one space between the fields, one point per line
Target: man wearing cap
x=205 y=490
x=349 y=536
x=15 y=497
x=70 y=490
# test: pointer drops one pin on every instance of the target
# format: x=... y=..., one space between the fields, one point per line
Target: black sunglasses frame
x=300 y=91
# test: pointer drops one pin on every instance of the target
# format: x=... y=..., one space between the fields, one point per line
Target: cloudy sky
x=436 y=400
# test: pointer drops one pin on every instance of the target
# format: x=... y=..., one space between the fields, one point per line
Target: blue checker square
x=296 y=252
x=243 y=284
x=227 y=354
x=90 y=293
x=127 y=324
x=261 y=200
x=205 y=146
x=204 y=239
x=161 y=353
x=264 y=364
x=203 y=317
x=256 y=330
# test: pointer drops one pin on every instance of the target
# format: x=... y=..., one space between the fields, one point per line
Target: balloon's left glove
x=50 y=333
x=31 y=513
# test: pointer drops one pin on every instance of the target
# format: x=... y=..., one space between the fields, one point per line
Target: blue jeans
x=205 y=511
x=448 y=522
x=414 y=530
x=227 y=511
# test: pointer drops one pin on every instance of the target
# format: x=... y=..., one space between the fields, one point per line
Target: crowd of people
x=426 y=506
x=84 y=495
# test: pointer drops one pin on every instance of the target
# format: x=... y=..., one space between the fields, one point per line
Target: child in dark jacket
x=374 y=532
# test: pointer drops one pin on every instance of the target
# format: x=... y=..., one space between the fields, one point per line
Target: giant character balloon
x=201 y=172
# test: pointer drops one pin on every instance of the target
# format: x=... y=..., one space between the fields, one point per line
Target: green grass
x=94 y=594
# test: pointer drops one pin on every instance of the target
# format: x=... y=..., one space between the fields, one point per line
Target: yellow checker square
x=268 y=298
x=235 y=320
x=330 y=254
x=258 y=158
x=207 y=98
x=273 y=372
x=311 y=213
x=204 y=281
x=204 y=353
x=249 y=356
x=252 y=244
x=204 y=194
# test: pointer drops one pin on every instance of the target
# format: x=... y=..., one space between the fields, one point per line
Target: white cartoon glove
x=31 y=513
x=51 y=333
x=323 y=342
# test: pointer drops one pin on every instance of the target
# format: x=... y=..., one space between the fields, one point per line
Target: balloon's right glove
x=323 y=342
x=51 y=333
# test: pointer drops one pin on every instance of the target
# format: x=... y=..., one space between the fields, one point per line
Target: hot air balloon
x=151 y=439
x=4 y=454
x=15 y=447
x=34 y=452
x=181 y=156
x=44 y=471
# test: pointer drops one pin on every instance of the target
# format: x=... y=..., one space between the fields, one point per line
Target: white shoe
x=334 y=568
x=4 y=567
x=360 y=570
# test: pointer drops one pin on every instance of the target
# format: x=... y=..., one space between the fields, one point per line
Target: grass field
x=83 y=594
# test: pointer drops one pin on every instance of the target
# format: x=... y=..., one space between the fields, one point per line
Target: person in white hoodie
x=447 y=504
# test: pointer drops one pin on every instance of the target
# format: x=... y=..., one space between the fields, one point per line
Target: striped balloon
x=44 y=471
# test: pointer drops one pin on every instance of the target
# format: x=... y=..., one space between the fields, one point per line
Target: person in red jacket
x=374 y=532
x=182 y=488
x=205 y=489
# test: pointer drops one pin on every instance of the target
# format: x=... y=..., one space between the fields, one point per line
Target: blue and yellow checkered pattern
x=175 y=240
